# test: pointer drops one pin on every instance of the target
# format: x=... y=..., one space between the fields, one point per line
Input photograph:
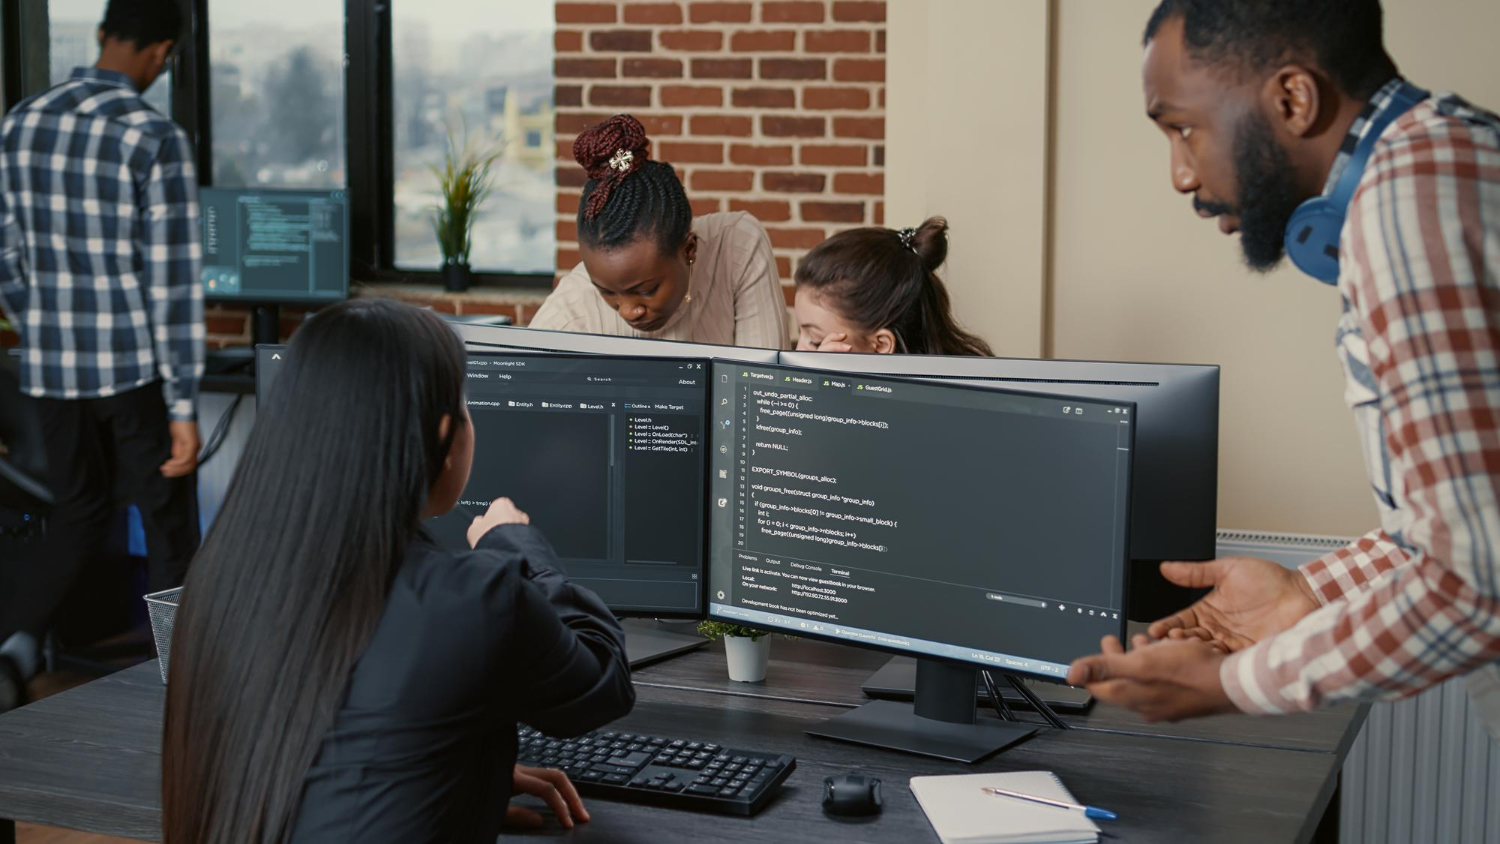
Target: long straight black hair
x=294 y=575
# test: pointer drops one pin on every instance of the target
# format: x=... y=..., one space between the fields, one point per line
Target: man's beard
x=1267 y=194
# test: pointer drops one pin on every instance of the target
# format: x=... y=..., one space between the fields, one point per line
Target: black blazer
x=470 y=643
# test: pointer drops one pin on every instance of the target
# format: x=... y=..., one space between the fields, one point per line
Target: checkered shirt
x=99 y=243
x=1417 y=601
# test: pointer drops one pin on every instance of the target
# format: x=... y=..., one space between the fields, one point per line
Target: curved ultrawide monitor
x=1175 y=495
x=982 y=526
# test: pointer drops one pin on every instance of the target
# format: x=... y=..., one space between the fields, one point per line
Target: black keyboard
x=675 y=773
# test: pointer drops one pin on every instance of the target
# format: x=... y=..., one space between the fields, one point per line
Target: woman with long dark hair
x=335 y=675
x=652 y=269
x=877 y=290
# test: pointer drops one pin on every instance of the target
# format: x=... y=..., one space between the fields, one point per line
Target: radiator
x=1423 y=769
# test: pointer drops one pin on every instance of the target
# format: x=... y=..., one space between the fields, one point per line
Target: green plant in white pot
x=464 y=179
x=747 y=649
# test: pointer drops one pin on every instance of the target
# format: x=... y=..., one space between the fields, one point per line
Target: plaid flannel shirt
x=1417 y=601
x=99 y=244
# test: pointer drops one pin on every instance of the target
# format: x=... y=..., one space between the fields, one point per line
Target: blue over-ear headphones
x=1312 y=235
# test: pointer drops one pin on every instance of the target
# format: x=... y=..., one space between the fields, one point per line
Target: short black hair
x=143 y=22
x=1342 y=37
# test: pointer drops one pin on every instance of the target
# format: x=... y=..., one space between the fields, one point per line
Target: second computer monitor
x=980 y=526
x=503 y=337
x=606 y=456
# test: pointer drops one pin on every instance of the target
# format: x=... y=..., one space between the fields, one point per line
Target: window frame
x=368 y=115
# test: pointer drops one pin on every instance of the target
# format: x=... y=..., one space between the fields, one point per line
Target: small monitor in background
x=274 y=246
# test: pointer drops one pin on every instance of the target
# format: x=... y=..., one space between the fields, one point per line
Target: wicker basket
x=162 y=607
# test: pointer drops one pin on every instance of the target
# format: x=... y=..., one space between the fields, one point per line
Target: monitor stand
x=265 y=330
x=943 y=721
x=645 y=644
x=897 y=680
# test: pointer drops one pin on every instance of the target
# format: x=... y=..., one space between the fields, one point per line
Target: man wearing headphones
x=1288 y=122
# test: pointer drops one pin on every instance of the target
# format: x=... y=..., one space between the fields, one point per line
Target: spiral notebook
x=962 y=814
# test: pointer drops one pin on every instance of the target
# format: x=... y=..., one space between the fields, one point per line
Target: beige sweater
x=737 y=298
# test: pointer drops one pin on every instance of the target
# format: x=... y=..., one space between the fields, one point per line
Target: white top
x=736 y=294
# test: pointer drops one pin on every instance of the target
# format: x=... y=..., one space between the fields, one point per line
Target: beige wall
x=960 y=145
x=1126 y=270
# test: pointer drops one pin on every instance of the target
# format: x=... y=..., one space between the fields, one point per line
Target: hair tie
x=608 y=177
x=622 y=160
x=907 y=236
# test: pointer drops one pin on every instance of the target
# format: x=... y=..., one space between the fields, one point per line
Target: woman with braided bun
x=877 y=290
x=649 y=268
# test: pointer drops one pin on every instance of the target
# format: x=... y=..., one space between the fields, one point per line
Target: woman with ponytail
x=650 y=269
x=335 y=674
x=877 y=290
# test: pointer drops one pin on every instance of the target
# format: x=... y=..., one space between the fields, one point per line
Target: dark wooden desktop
x=88 y=759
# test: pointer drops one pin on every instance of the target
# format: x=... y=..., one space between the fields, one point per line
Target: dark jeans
x=102 y=454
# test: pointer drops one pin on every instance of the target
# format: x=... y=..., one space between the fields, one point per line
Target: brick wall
x=776 y=107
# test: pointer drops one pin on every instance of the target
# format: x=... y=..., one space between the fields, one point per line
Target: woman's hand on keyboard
x=554 y=788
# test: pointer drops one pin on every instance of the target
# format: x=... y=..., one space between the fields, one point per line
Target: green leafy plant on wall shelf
x=465 y=180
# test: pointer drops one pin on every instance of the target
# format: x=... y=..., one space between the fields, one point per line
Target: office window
x=73 y=30
x=484 y=67
x=276 y=71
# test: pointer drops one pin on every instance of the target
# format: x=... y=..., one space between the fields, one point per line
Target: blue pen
x=1088 y=811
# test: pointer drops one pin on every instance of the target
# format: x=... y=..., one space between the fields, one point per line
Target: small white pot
x=747 y=657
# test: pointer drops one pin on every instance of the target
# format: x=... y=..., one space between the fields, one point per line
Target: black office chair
x=23 y=459
x=24 y=492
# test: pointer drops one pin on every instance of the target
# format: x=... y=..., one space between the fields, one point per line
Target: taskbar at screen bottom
x=795 y=625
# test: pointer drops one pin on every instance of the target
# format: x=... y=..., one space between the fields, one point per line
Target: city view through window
x=480 y=69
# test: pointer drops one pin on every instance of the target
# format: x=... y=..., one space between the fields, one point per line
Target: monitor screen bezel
x=503 y=337
x=1119 y=632
x=311 y=300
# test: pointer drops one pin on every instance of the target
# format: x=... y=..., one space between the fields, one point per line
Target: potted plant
x=748 y=649
x=464 y=180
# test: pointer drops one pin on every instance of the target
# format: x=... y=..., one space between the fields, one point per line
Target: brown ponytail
x=881 y=278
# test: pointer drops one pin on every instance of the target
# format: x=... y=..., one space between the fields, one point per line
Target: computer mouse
x=851 y=794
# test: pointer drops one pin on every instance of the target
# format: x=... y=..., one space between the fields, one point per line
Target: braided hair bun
x=628 y=196
x=608 y=153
